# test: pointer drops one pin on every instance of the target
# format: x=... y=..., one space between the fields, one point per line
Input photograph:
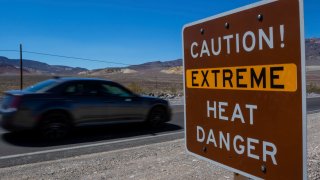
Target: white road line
x=85 y=146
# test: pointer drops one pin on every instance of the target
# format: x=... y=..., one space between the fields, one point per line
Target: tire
x=157 y=117
x=55 y=126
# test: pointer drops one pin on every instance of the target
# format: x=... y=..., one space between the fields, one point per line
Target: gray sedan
x=56 y=105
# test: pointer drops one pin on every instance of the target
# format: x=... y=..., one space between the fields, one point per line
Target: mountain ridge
x=11 y=66
x=36 y=67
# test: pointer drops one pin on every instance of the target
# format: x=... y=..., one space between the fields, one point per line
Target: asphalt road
x=26 y=147
x=313 y=105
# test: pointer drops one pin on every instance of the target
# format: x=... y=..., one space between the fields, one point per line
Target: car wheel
x=54 y=126
x=157 y=117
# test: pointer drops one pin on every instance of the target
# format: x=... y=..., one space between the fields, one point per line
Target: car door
x=86 y=102
x=122 y=105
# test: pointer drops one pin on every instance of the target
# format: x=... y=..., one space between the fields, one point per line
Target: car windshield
x=41 y=86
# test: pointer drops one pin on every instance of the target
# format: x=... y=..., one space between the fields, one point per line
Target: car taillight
x=15 y=102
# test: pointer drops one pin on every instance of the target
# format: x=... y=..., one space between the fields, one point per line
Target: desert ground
x=157 y=83
x=146 y=82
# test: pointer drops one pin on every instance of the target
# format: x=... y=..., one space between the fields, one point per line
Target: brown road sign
x=245 y=90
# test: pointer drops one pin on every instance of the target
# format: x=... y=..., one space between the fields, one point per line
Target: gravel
x=314 y=146
x=156 y=161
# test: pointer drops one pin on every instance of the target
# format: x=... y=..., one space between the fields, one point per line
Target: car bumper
x=6 y=120
x=11 y=120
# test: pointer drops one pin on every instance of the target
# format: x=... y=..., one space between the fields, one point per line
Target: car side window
x=113 y=90
x=81 y=89
x=74 y=89
x=91 y=89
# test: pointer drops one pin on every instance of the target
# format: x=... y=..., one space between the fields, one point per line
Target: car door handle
x=128 y=100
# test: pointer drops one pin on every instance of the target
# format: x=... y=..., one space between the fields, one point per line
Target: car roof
x=65 y=79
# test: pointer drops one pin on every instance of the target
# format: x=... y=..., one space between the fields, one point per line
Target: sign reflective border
x=244 y=82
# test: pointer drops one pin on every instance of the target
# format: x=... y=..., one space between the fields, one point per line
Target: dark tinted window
x=42 y=86
x=81 y=89
x=91 y=89
x=73 y=89
x=114 y=90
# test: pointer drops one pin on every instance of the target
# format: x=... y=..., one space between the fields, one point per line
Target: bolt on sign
x=244 y=80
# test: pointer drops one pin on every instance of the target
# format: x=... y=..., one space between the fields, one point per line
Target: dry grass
x=10 y=82
x=145 y=83
x=142 y=84
x=313 y=77
x=313 y=88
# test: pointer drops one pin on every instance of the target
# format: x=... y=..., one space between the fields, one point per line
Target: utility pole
x=21 y=70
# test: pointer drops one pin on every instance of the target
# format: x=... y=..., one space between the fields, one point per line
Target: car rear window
x=42 y=86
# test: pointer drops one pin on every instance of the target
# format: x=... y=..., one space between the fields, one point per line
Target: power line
x=67 y=57
x=9 y=50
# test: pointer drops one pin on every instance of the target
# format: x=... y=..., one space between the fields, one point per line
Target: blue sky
x=123 y=31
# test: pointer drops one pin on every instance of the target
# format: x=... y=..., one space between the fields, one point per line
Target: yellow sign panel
x=279 y=77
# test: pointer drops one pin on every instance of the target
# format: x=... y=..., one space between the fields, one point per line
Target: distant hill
x=175 y=66
x=145 y=68
x=157 y=65
x=313 y=52
x=12 y=66
x=173 y=70
x=10 y=69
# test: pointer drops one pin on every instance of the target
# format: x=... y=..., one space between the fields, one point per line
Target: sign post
x=244 y=80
